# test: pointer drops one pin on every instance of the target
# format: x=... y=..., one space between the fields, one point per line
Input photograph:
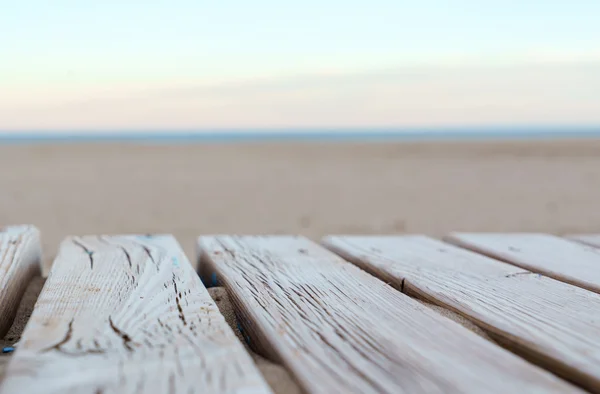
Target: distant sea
x=305 y=135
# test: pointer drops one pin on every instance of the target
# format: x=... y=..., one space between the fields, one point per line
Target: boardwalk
x=470 y=313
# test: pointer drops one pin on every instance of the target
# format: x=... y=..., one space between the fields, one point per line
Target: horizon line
x=303 y=134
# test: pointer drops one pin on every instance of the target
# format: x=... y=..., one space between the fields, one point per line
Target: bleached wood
x=558 y=258
x=551 y=322
x=20 y=255
x=588 y=239
x=128 y=314
x=339 y=329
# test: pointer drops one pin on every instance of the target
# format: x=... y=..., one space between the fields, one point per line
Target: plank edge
x=21 y=275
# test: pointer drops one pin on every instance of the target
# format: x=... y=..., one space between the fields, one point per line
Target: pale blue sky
x=266 y=63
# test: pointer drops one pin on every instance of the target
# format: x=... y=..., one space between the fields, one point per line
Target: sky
x=183 y=64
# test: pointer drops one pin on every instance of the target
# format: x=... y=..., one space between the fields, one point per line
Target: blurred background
x=310 y=118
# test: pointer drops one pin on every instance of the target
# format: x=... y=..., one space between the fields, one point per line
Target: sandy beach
x=310 y=188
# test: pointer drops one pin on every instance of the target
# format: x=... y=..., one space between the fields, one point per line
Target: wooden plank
x=550 y=322
x=339 y=329
x=588 y=239
x=20 y=255
x=558 y=258
x=128 y=314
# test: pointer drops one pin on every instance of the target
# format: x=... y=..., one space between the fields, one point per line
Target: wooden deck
x=472 y=313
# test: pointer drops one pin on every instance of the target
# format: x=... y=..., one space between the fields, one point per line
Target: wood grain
x=20 y=255
x=558 y=258
x=128 y=314
x=550 y=322
x=338 y=329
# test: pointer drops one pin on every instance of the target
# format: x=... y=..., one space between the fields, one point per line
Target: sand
x=310 y=189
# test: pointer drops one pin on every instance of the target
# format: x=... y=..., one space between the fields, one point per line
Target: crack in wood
x=126 y=338
x=177 y=301
x=127 y=256
x=518 y=274
x=65 y=339
x=149 y=253
x=89 y=252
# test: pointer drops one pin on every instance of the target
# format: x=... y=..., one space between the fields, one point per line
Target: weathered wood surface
x=339 y=329
x=551 y=322
x=558 y=258
x=128 y=314
x=20 y=255
x=588 y=239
